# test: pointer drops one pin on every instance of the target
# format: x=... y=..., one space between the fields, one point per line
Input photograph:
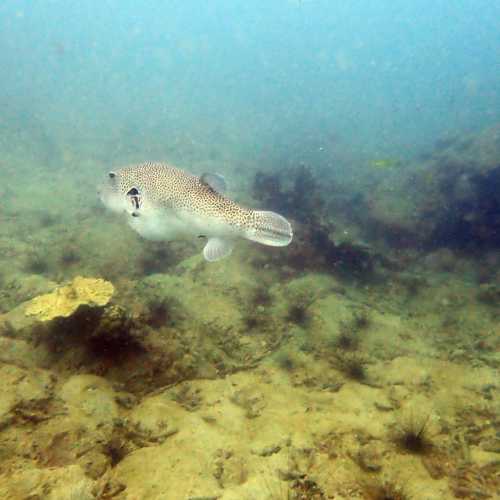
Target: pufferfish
x=162 y=202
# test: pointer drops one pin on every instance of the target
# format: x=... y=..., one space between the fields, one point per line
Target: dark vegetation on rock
x=297 y=193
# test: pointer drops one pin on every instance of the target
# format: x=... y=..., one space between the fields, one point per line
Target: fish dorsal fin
x=214 y=181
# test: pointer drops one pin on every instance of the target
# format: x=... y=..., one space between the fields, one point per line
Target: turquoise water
x=268 y=80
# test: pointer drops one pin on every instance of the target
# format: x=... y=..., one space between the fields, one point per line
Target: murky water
x=359 y=361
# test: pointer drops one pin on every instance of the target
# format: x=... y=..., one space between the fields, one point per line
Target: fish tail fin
x=270 y=229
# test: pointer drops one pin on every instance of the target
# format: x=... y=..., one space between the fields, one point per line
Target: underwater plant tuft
x=361 y=321
x=36 y=264
x=117 y=344
x=347 y=339
x=261 y=297
x=158 y=313
x=353 y=366
x=411 y=434
x=116 y=449
x=47 y=219
x=69 y=256
x=155 y=259
x=298 y=314
x=285 y=361
x=256 y=314
x=374 y=490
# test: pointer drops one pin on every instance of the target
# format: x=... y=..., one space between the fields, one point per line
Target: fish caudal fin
x=217 y=249
x=270 y=229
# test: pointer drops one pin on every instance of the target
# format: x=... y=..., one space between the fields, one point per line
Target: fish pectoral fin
x=217 y=248
x=214 y=181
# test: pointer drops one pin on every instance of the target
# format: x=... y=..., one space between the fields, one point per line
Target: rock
x=156 y=418
x=92 y=399
x=50 y=484
x=447 y=199
x=229 y=469
x=442 y=260
x=489 y=293
x=251 y=400
x=267 y=451
x=17 y=352
x=95 y=464
x=491 y=444
x=126 y=400
x=22 y=390
x=368 y=457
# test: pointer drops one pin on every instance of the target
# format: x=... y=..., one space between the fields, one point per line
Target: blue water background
x=275 y=81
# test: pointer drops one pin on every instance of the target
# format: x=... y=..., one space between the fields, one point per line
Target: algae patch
x=65 y=300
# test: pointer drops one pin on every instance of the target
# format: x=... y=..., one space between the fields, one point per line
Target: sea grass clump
x=285 y=360
x=384 y=490
x=255 y=313
x=361 y=321
x=353 y=366
x=347 y=338
x=69 y=256
x=298 y=314
x=411 y=434
x=298 y=309
x=36 y=263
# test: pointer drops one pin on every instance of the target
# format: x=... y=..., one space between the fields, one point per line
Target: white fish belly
x=167 y=225
x=158 y=225
x=208 y=226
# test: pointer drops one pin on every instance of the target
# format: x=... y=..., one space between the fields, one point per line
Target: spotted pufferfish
x=162 y=202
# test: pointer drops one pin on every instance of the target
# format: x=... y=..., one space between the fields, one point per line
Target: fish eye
x=112 y=175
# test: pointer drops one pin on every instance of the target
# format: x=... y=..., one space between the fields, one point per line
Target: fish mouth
x=102 y=193
x=111 y=198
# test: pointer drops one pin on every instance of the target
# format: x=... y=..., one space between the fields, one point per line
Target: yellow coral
x=65 y=300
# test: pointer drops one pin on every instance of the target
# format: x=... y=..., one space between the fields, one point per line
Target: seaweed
x=470 y=221
x=386 y=490
x=69 y=256
x=411 y=434
x=296 y=193
x=347 y=340
x=190 y=399
x=353 y=366
x=111 y=339
x=36 y=263
x=361 y=321
x=299 y=198
x=255 y=313
x=155 y=259
x=116 y=449
x=46 y=219
x=261 y=297
x=305 y=488
x=298 y=313
x=473 y=481
x=159 y=313
x=117 y=344
x=252 y=321
x=285 y=360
